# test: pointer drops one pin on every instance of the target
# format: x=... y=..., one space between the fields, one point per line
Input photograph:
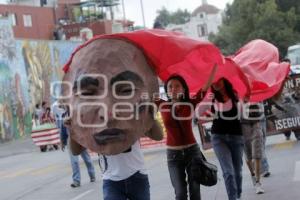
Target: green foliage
x=271 y=20
x=286 y=5
x=166 y=17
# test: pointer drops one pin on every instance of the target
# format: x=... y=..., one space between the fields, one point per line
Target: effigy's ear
x=76 y=149
x=156 y=131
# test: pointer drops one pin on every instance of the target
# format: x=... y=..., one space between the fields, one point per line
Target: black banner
x=283 y=114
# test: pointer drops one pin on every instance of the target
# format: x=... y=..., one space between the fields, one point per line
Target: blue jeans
x=136 y=187
x=229 y=151
x=75 y=166
x=264 y=160
x=179 y=165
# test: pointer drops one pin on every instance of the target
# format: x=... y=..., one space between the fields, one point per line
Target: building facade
x=204 y=20
x=30 y=21
x=45 y=19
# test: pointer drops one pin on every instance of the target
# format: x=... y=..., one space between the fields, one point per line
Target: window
x=202 y=30
x=14 y=19
x=27 y=20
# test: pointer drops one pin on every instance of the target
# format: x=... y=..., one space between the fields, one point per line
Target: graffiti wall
x=43 y=61
x=27 y=68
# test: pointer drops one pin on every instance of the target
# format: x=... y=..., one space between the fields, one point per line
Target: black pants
x=180 y=172
x=288 y=134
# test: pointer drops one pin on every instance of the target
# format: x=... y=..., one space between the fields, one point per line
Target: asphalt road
x=47 y=176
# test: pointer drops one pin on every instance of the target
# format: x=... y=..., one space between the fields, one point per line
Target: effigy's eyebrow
x=126 y=76
x=86 y=82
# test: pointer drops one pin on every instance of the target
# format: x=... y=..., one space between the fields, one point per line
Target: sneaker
x=253 y=178
x=266 y=174
x=75 y=184
x=259 y=189
x=93 y=179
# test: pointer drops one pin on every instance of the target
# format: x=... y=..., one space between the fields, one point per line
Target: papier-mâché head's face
x=106 y=95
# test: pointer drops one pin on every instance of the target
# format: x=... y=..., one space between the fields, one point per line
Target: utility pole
x=143 y=15
x=124 y=13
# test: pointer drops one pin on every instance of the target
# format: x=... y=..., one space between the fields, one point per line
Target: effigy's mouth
x=109 y=135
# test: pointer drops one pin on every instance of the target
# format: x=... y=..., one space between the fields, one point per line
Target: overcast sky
x=133 y=8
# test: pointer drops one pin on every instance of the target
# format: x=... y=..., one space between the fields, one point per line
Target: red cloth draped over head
x=171 y=53
x=259 y=61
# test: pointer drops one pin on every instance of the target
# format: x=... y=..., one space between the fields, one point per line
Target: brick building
x=38 y=19
x=30 y=21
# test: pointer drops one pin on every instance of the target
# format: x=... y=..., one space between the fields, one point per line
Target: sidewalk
x=16 y=147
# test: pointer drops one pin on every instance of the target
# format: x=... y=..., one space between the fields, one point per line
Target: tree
x=166 y=17
x=180 y=16
x=246 y=20
x=286 y=5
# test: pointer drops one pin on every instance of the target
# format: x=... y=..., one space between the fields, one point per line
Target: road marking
x=82 y=195
x=45 y=170
x=18 y=173
x=32 y=171
x=149 y=157
x=297 y=171
x=3 y=173
x=285 y=145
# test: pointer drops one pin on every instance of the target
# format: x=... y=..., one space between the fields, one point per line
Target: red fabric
x=256 y=65
x=232 y=72
x=171 y=53
x=259 y=61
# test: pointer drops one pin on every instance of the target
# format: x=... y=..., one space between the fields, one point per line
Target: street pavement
x=31 y=175
x=16 y=147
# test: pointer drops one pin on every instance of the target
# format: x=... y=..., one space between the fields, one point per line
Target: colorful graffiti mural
x=12 y=113
x=27 y=68
x=43 y=61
